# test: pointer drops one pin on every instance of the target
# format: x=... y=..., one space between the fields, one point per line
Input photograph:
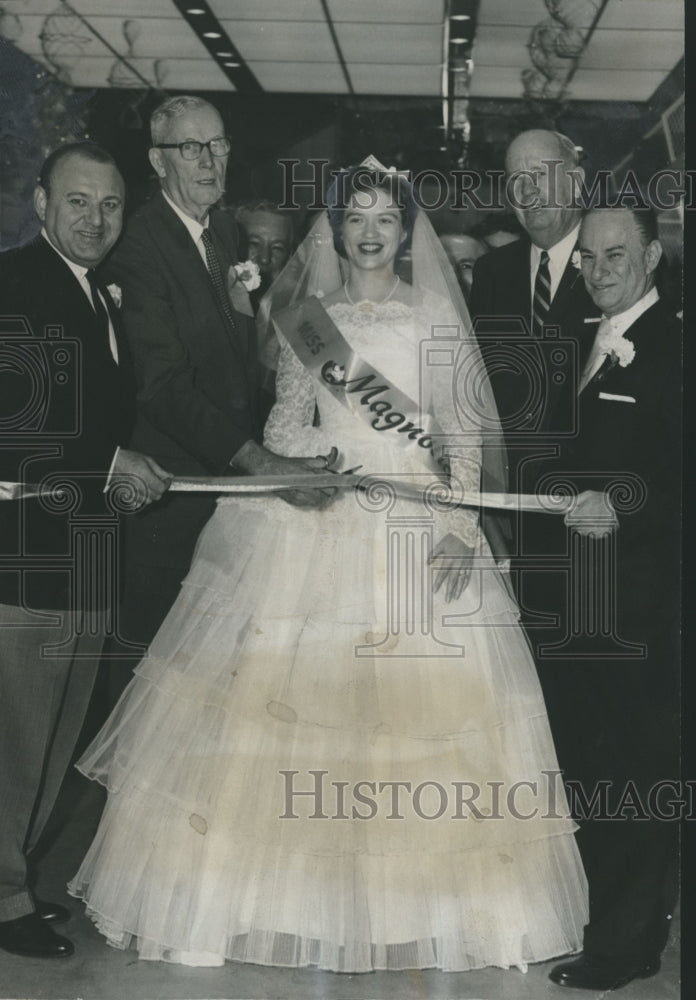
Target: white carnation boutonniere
x=248 y=273
x=623 y=351
x=620 y=350
x=116 y=294
x=576 y=260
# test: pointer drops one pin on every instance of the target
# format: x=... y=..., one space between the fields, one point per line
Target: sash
x=357 y=385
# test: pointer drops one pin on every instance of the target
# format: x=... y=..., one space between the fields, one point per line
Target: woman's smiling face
x=372 y=230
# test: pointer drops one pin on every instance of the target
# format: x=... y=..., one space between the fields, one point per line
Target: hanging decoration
x=64 y=40
x=555 y=47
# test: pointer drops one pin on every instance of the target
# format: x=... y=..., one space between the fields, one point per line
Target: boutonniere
x=620 y=350
x=576 y=260
x=624 y=352
x=248 y=273
x=116 y=294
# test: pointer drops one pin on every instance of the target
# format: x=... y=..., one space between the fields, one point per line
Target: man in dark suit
x=528 y=288
x=610 y=670
x=65 y=400
x=528 y=304
x=194 y=348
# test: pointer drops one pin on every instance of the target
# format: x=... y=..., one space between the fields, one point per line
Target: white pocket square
x=617 y=399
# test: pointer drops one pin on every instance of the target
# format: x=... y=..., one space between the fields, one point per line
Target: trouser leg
x=37 y=736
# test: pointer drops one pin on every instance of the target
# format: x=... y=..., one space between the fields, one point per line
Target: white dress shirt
x=80 y=273
x=616 y=326
x=194 y=227
x=559 y=256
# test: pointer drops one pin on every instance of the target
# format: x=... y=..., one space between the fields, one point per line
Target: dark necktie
x=541 y=303
x=216 y=277
x=102 y=315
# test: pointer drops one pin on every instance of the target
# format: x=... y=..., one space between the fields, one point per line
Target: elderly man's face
x=541 y=189
x=617 y=266
x=269 y=238
x=82 y=211
x=193 y=185
x=463 y=252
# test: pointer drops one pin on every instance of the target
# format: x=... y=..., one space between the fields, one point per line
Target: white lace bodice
x=307 y=420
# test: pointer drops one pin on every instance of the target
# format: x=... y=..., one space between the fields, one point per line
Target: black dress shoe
x=31 y=937
x=54 y=913
x=585 y=973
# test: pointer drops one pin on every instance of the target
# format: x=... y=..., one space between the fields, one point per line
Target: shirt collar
x=77 y=269
x=559 y=253
x=621 y=322
x=194 y=227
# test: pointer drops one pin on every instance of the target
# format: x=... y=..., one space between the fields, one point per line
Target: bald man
x=532 y=284
x=524 y=296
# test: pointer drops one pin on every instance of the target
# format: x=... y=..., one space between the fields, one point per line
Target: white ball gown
x=280 y=670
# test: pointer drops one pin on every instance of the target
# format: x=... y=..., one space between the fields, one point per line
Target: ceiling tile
x=392 y=12
x=144 y=36
x=403 y=81
x=622 y=85
x=94 y=8
x=268 y=10
x=394 y=43
x=658 y=14
x=500 y=47
x=290 y=41
x=186 y=74
x=520 y=12
x=300 y=77
x=650 y=50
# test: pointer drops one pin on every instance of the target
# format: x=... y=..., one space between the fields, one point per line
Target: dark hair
x=505 y=222
x=358 y=180
x=85 y=148
x=644 y=216
x=646 y=220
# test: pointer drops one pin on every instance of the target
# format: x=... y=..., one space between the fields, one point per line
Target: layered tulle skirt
x=317 y=766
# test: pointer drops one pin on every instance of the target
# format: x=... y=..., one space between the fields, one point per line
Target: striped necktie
x=541 y=303
x=213 y=263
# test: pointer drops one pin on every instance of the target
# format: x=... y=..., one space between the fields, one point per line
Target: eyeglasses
x=192 y=150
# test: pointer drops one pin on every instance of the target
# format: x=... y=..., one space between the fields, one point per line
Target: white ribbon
x=544 y=502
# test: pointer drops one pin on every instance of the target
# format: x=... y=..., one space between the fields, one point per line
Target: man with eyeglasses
x=194 y=346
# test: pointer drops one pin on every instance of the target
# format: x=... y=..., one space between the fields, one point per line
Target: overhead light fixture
x=212 y=34
x=232 y=65
x=225 y=55
x=195 y=10
x=460 y=17
x=458 y=41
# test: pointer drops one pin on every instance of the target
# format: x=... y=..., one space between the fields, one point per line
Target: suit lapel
x=68 y=290
x=644 y=326
x=565 y=296
x=179 y=240
x=228 y=256
x=519 y=288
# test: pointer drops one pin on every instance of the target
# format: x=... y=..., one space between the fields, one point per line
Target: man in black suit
x=193 y=340
x=610 y=671
x=529 y=305
x=65 y=396
x=525 y=292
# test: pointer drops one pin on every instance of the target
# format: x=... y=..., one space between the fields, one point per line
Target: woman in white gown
x=321 y=762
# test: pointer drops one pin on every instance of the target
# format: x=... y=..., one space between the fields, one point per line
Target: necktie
x=102 y=315
x=541 y=303
x=213 y=263
x=597 y=355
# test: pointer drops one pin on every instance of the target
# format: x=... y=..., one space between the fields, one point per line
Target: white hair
x=165 y=112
